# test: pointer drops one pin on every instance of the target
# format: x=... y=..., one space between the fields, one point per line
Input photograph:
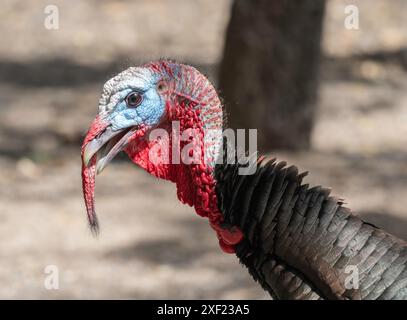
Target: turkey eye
x=134 y=99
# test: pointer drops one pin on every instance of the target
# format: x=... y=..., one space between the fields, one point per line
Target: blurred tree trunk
x=269 y=73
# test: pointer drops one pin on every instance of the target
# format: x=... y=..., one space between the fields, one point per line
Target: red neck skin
x=195 y=181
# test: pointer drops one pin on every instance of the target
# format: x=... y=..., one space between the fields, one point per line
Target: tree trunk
x=268 y=76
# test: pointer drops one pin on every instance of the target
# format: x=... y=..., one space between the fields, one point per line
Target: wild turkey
x=297 y=242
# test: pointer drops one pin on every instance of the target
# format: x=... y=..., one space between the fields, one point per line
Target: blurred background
x=354 y=91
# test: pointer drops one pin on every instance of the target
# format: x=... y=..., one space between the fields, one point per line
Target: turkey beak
x=99 y=147
x=107 y=145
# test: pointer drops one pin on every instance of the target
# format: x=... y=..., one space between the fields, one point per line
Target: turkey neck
x=197 y=109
